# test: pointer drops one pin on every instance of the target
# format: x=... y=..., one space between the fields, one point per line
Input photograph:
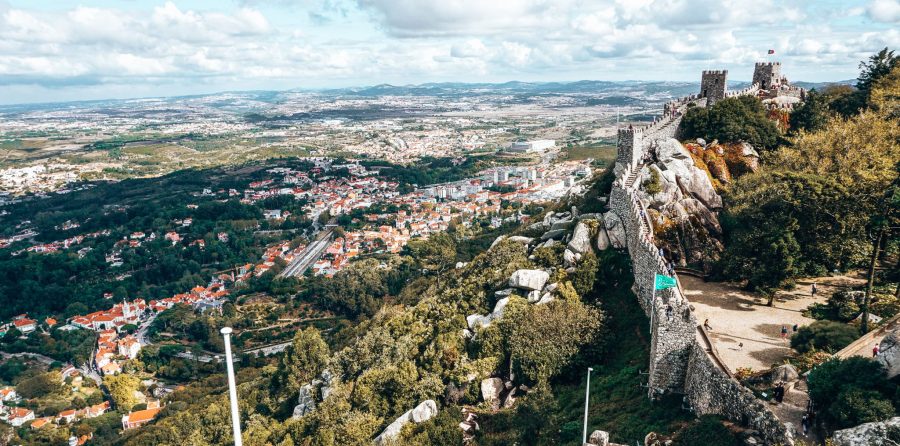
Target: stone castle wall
x=681 y=358
x=711 y=390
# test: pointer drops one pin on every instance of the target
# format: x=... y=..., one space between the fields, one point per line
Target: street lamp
x=232 y=389
x=587 y=397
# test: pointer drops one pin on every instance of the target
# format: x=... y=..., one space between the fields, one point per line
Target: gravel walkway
x=747 y=332
x=740 y=317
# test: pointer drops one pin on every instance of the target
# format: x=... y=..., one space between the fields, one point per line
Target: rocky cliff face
x=680 y=188
x=870 y=434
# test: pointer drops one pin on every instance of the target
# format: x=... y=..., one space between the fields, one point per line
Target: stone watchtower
x=712 y=86
x=767 y=74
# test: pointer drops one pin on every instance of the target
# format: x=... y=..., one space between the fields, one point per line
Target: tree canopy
x=735 y=119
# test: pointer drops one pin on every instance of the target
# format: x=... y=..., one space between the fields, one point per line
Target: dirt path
x=740 y=317
x=747 y=332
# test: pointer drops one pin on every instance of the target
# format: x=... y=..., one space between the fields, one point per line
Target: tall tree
x=121 y=389
x=877 y=67
x=304 y=360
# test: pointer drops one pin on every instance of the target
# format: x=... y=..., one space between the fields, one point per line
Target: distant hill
x=609 y=93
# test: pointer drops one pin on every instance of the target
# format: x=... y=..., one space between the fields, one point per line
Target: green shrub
x=854 y=407
x=806 y=361
x=707 y=430
x=824 y=335
x=732 y=120
x=851 y=389
x=843 y=305
x=652 y=186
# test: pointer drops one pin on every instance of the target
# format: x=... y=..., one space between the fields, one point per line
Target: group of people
x=784 y=330
x=778 y=394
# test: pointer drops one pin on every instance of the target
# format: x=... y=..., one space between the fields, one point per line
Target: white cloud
x=268 y=43
x=885 y=11
x=469 y=48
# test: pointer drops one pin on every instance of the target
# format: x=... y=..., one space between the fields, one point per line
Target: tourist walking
x=804 y=423
x=779 y=393
x=875 y=351
x=813 y=289
x=795 y=328
x=706 y=325
x=669 y=312
x=784 y=332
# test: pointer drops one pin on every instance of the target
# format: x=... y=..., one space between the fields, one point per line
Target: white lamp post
x=587 y=397
x=232 y=389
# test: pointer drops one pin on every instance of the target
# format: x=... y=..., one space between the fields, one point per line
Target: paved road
x=269 y=349
x=207 y=357
x=41 y=358
x=141 y=333
x=310 y=255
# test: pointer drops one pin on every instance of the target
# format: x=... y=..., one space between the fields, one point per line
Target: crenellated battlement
x=749 y=91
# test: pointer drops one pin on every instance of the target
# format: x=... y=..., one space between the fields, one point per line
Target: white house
x=19 y=416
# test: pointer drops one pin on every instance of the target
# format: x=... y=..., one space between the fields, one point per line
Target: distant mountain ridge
x=658 y=90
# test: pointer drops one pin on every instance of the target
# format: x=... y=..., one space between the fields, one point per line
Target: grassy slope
x=619 y=404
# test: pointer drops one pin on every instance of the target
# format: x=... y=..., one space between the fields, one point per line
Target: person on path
x=669 y=312
x=706 y=325
x=740 y=346
x=795 y=328
x=875 y=351
x=779 y=392
x=813 y=289
x=804 y=423
x=784 y=332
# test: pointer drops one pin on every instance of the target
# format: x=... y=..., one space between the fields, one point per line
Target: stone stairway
x=630 y=180
x=633 y=176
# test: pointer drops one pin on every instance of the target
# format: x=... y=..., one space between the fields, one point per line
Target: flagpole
x=587 y=397
x=232 y=390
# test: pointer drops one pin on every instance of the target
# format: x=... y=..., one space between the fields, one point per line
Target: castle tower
x=767 y=74
x=712 y=86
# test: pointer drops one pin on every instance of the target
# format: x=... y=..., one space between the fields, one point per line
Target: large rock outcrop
x=491 y=388
x=679 y=191
x=312 y=393
x=475 y=321
x=529 y=279
x=889 y=353
x=881 y=433
x=615 y=230
x=306 y=402
x=421 y=413
x=581 y=239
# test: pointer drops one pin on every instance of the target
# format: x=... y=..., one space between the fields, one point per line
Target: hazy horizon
x=363 y=87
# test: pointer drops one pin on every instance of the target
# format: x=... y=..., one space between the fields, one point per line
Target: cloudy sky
x=57 y=50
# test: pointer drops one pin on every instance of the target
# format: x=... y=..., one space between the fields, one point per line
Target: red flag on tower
x=771 y=51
